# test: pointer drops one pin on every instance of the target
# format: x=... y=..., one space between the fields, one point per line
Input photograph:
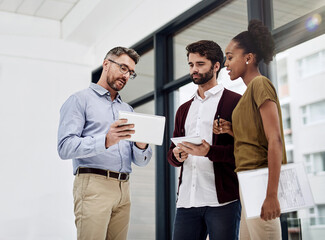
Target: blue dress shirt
x=85 y=119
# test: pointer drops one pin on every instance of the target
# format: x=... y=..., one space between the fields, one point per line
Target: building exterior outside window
x=315 y=163
x=300 y=79
x=313 y=113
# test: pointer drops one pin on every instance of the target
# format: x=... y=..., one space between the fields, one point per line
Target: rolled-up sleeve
x=141 y=157
x=71 y=143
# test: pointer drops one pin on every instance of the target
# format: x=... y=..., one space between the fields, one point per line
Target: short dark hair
x=257 y=40
x=209 y=49
x=118 y=51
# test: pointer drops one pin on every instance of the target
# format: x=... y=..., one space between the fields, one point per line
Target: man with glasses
x=91 y=134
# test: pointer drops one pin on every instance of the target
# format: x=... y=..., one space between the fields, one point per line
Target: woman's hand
x=270 y=208
x=222 y=126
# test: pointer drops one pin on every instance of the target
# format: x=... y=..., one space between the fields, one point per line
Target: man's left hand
x=195 y=150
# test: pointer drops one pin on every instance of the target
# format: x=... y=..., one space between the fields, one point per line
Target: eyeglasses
x=124 y=69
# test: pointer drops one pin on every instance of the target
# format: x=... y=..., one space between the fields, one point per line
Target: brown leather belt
x=119 y=176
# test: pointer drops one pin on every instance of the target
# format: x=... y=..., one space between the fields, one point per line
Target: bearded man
x=208 y=195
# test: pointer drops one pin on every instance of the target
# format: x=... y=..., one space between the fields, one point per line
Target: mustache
x=196 y=74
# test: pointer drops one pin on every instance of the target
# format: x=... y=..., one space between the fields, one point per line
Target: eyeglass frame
x=132 y=74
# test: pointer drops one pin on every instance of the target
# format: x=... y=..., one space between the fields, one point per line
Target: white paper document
x=148 y=128
x=192 y=139
x=294 y=191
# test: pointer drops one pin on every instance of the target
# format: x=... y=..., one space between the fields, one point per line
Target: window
x=311 y=65
x=289 y=10
x=317 y=215
x=315 y=163
x=286 y=119
x=220 y=26
x=145 y=78
x=313 y=113
x=143 y=192
x=290 y=156
x=283 y=84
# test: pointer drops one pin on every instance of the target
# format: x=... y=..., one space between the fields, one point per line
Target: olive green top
x=251 y=145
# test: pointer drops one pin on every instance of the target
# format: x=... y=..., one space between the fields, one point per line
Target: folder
x=294 y=190
x=148 y=128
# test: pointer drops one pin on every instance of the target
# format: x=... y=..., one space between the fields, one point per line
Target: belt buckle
x=127 y=177
x=119 y=177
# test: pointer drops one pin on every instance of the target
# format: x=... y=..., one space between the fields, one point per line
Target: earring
x=247 y=63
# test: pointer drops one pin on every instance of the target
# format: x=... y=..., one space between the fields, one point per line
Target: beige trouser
x=101 y=207
x=257 y=228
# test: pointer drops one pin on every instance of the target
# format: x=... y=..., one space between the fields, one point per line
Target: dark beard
x=204 y=77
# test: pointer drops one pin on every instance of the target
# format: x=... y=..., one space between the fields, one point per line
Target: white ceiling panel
x=51 y=9
x=29 y=7
x=54 y=9
x=10 y=5
x=68 y=1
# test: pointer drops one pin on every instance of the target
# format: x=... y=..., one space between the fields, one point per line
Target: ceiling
x=49 y=9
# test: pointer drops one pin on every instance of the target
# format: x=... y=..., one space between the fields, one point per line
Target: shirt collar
x=102 y=91
x=210 y=92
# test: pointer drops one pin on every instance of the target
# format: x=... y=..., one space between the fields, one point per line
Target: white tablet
x=148 y=128
x=197 y=140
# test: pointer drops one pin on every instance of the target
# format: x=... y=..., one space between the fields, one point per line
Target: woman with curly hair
x=256 y=125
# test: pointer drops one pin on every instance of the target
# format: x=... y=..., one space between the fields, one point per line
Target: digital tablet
x=148 y=128
x=197 y=140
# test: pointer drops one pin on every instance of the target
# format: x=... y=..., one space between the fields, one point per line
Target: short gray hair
x=118 y=51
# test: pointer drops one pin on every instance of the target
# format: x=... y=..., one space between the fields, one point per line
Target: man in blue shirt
x=91 y=134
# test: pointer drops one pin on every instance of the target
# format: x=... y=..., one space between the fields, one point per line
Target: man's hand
x=222 y=126
x=195 y=150
x=118 y=131
x=270 y=208
x=179 y=154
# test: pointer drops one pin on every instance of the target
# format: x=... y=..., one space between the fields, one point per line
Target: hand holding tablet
x=148 y=128
x=197 y=140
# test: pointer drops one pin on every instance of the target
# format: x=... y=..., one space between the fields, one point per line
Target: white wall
x=36 y=200
x=38 y=71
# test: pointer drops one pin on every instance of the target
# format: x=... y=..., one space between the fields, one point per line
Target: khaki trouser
x=101 y=207
x=257 y=228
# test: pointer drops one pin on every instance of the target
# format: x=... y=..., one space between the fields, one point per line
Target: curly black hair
x=257 y=40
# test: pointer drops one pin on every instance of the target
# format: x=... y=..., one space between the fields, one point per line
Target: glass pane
x=282 y=77
x=317 y=111
x=304 y=138
x=144 y=82
x=286 y=116
x=289 y=10
x=143 y=189
x=319 y=162
x=290 y=156
x=311 y=60
x=220 y=26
